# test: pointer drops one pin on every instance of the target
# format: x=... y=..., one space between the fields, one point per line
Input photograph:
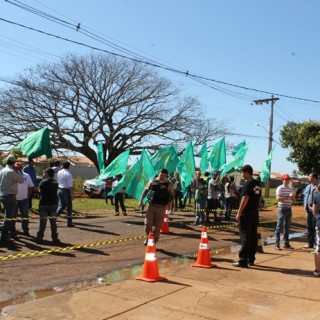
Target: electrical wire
x=157 y=65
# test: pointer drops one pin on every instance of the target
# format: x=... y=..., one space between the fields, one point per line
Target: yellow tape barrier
x=69 y=248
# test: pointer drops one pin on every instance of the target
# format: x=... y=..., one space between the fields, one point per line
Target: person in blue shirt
x=29 y=169
x=309 y=194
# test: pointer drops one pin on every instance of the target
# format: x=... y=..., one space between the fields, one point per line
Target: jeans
x=284 y=222
x=248 y=226
x=64 y=195
x=311 y=225
x=9 y=206
x=44 y=213
x=200 y=209
x=23 y=207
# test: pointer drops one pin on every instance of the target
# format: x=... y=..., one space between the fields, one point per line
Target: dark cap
x=165 y=171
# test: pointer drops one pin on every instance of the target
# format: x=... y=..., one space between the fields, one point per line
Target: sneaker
x=125 y=214
x=287 y=246
x=277 y=247
x=316 y=273
x=116 y=214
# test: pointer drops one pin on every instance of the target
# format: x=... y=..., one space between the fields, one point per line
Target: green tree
x=84 y=100
x=304 y=141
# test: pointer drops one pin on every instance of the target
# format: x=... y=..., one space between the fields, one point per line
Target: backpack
x=159 y=193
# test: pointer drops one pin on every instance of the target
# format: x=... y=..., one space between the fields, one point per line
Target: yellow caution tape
x=69 y=248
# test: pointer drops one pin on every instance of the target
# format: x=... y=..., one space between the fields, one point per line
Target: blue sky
x=271 y=46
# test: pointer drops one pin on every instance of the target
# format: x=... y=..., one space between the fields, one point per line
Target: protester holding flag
x=161 y=193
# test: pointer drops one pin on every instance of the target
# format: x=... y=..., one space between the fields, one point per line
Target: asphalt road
x=102 y=242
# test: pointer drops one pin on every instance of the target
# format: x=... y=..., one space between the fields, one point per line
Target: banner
x=117 y=166
x=37 y=144
x=203 y=153
x=265 y=171
x=186 y=167
x=217 y=156
x=165 y=157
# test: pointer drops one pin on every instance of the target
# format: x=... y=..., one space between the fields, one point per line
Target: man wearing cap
x=308 y=196
x=161 y=193
x=9 y=179
x=25 y=190
x=285 y=196
x=29 y=169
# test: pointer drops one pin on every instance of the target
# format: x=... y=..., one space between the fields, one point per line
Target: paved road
x=102 y=243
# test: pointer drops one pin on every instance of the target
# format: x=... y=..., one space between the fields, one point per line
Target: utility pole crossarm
x=260 y=102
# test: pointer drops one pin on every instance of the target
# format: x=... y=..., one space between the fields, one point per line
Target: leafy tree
x=84 y=100
x=304 y=141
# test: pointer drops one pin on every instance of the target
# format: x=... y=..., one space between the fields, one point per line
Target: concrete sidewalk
x=279 y=286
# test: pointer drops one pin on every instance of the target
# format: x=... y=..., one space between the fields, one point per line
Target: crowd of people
x=17 y=187
x=164 y=192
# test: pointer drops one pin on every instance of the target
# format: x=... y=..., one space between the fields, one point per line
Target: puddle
x=124 y=274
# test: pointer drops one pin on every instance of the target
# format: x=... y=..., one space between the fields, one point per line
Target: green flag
x=166 y=157
x=239 y=154
x=141 y=177
x=100 y=156
x=217 y=156
x=37 y=144
x=117 y=166
x=203 y=153
x=186 y=167
x=265 y=171
x=124 y=181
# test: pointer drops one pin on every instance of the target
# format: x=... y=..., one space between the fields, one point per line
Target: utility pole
x=259 y=102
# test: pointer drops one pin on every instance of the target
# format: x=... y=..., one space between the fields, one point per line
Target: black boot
x=55 y=238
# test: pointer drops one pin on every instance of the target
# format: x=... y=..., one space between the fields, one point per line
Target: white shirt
x=283 y=191
x=24 y=187
x=65 y=179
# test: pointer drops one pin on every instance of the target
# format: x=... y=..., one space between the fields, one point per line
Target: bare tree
x=97 y=98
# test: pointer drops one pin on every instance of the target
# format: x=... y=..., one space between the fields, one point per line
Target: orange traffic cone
x=204 y=258
x=150 y=268
x=165 y=225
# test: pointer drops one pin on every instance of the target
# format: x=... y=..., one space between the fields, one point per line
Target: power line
x=156 y=65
